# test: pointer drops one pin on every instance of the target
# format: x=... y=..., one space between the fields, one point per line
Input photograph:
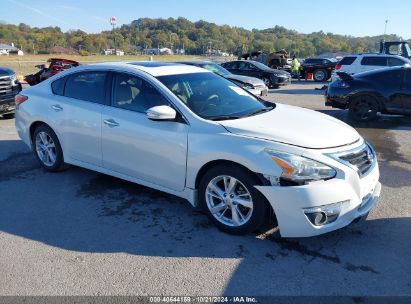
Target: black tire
x=267 y=82
x=320 y=75
x=260 y=211
x=58 y=164
x=363 y=108
x=8 y=116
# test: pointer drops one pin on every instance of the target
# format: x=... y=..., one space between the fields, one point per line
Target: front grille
x=6 y=85
x=361 y=160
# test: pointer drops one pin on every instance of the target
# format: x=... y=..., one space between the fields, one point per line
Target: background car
x=9 y=88
x=321 y=68
x=365 y=94
x=52 y=67
x=251 y=84
x=354 y=64
x=271 y=77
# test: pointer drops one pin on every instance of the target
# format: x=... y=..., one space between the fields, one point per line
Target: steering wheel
x=211 y=102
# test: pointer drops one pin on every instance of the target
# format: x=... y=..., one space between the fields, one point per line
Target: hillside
x=195 y=37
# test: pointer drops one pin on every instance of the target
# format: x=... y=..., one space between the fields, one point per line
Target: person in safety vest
x=295 y=67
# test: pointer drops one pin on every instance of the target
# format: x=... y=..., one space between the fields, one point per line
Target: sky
x=348 y=17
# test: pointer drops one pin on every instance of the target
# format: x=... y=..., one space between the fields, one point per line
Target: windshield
x=259 y=65
x=213 y=97
x=215 y=68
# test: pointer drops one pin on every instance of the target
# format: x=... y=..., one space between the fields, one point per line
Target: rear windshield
x=348 y=60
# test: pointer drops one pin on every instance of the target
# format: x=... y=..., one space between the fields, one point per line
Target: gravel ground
x=83 y=233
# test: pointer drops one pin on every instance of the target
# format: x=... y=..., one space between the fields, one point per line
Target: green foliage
x=195 y=37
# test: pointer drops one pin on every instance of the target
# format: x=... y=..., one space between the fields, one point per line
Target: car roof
x=155 y=68
x=196 y=62
x=376 y=54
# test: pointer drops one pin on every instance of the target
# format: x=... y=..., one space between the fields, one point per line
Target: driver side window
x=132 y=93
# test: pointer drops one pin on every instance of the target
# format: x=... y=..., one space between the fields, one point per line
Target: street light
x=385 y=27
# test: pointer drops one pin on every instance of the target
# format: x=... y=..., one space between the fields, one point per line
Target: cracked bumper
x=289 y=203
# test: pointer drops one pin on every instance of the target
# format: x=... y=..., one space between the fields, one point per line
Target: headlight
x=248 y=86
x=279 y=75
x=13 y=79
x=299 y=169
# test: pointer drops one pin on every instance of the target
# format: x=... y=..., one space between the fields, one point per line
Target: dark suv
x=9 y=87
x=321 y=68
x=272 y=78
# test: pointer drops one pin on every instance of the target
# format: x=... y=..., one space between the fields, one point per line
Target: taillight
x=19 y=99
x=338 y=66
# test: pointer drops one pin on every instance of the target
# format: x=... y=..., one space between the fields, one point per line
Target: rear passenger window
x=395 y=62
x=231 y=65
x=57 y=86
x=88 y=86
x=347 y=60
x=376 y=61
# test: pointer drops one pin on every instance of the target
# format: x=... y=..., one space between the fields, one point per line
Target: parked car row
x=186 y=131
x=253 y=85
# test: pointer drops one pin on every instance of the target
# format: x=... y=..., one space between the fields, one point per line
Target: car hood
x=295 y=126
x=5 y=72
x=246 y=79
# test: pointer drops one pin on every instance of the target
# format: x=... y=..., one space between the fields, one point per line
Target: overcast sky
x=349 y=17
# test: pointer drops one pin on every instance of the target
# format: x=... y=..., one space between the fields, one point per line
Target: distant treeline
x=194 y=37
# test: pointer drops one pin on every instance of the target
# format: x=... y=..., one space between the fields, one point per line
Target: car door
x=76 y=114
x=406 y=91
x=133 y=145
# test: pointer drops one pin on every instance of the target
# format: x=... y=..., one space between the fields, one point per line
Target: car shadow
x=296 y=91
x=83 y=211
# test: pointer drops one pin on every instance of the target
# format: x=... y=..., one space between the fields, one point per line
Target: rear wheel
x=48 y=150
x=228 y=196
x=320 y=75
x=363 y=108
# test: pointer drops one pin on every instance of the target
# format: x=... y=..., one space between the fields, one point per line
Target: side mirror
x=161 y=113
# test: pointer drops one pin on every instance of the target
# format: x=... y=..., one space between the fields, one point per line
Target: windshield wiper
x=266 y=109
x=223 y=117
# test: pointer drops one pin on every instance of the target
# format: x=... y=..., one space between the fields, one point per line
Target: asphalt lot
x=83 y=233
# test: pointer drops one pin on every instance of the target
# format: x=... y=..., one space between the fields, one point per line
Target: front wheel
x=48 y=150
x=363 y=108
x=228 y=196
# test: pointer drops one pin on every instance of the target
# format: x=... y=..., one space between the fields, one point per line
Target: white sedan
x=186 y=131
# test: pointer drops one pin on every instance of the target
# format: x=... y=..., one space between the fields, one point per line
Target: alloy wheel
x=229 y=201
x=46 y=149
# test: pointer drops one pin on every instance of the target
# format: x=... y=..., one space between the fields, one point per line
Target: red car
x=52 y=67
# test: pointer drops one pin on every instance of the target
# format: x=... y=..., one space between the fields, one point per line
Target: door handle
x=57 y=107
x=111 y=123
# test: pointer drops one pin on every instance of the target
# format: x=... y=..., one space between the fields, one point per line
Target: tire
x=363 y=108
x=48 y=150
x=249 y=216
x=8 y=116
x=267 y=82
x=320 y=75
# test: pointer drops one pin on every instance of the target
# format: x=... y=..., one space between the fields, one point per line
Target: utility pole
x=113 y=22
